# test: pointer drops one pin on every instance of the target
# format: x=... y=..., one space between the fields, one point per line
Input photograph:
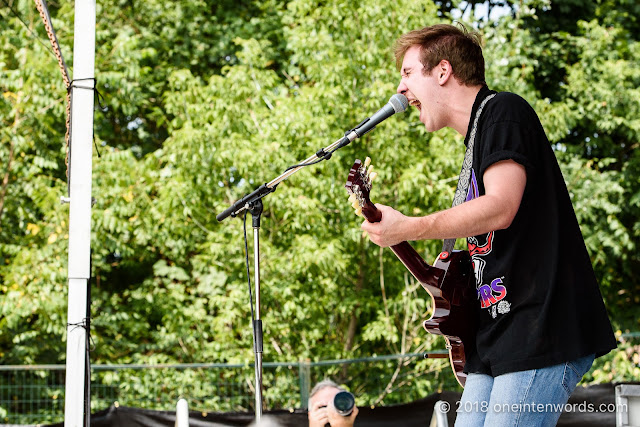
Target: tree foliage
x=206 y=100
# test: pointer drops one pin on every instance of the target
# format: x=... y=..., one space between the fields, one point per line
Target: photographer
x=322 y=409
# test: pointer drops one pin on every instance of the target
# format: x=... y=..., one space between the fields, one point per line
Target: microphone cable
x=246 y=252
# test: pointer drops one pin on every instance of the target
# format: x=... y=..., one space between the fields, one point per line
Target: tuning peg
x=367 y=161
x=359 y=211
x=352 y=197
x=373 y=176
x=370 y=170
x=355 y=204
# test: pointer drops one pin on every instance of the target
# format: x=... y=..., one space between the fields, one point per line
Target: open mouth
x=416 y=103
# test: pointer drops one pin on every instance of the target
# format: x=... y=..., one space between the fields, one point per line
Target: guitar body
x=450 y=281
x=454 y=304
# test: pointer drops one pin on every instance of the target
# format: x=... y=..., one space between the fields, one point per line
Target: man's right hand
x=318 y=414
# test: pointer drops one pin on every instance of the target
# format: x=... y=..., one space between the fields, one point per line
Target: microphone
x=397 y=104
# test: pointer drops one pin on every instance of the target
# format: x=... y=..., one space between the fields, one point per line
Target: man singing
x=540 y=316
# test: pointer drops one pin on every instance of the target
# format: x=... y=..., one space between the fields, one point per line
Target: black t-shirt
x=538 y=298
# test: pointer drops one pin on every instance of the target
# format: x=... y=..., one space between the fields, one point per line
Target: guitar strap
x=465 y=173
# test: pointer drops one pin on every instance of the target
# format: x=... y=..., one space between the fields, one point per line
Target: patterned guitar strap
x=465 y=173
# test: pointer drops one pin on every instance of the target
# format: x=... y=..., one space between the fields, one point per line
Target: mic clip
x=353 y=133
x=356 y=129
x=321 y=154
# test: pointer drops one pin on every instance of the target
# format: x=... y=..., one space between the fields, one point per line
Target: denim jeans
x=527 y=398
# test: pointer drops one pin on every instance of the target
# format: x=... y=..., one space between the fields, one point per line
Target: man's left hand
x=337 y=420
x=391 y=228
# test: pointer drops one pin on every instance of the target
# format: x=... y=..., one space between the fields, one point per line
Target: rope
x=46 y=18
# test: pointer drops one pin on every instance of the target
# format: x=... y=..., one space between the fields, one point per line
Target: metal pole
x=305 y=383
x=258 y=322
x=80 y=210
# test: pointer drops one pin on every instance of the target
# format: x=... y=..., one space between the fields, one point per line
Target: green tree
x=206 y=100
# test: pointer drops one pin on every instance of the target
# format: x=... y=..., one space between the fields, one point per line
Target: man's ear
x=444 y=71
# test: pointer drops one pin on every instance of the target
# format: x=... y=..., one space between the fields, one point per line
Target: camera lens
x=344 y=403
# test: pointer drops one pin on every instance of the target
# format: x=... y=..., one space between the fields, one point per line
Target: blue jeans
x=527 y=398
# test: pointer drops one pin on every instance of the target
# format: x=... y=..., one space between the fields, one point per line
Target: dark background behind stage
x=417 y=413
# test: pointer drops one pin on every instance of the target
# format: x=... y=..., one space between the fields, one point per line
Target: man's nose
x=402 y=88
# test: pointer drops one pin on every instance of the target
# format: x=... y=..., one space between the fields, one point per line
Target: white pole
x=80 y=208
x=182 y=414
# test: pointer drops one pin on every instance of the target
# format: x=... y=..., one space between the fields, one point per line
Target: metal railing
x=35 y=394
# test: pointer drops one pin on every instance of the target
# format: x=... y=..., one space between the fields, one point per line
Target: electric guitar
x=450 y=281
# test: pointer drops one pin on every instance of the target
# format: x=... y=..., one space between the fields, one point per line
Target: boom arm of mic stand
x=242 y=204
x=270 y=187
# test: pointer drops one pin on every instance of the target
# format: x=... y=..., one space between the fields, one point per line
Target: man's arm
x=504 y=184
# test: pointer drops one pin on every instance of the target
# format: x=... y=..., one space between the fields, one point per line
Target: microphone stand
x=255 y=209
x=252 y=202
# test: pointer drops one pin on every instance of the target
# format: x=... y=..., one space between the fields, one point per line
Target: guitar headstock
x=359 y=183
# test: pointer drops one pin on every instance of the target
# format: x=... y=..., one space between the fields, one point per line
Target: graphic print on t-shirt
x=491 y=294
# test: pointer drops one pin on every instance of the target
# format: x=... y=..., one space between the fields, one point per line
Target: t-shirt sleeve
x=508 y=140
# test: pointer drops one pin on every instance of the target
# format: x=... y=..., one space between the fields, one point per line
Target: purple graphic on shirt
x=478 y=249
x=473 y=187
x=495 y=292
x=491 y=294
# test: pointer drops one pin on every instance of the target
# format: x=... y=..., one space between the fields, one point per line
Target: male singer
x=541 y=319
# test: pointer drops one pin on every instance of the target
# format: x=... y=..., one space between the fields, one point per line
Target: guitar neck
x=416 y=265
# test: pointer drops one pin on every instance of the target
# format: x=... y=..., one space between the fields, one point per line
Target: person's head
x=441 y=70
x=324 y=391
x=321 y=406
x=454 y=44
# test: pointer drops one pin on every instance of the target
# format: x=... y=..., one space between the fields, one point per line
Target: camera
x=344 y=403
